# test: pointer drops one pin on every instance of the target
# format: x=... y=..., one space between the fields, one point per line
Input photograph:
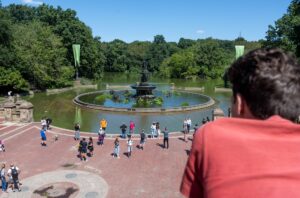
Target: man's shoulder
x=238 y=125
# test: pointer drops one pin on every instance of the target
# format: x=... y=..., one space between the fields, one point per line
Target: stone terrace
x=152 y=172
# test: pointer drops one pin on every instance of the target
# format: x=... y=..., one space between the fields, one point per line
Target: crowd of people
x=85 y=148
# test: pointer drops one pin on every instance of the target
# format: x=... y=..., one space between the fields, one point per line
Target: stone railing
x=16 y=110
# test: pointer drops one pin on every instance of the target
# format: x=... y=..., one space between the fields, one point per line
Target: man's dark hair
x=269 y=81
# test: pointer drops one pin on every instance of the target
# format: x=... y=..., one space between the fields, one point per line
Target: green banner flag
x=76 y=53
x=78 y=118
x=239 y=51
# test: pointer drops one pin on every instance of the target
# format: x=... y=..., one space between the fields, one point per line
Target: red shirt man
x=257 y=153
x=259 y=159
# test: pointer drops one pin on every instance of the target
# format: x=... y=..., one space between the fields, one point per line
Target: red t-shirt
x=234 y=157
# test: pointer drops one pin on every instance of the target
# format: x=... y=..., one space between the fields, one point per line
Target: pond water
x=62 y=110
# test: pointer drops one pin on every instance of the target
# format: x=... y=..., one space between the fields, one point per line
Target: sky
x=131 y=20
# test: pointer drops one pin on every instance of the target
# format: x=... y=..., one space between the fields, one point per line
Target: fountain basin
x=171 y=104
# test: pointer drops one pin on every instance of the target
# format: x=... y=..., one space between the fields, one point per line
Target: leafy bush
x=102 y=98
x=185 y=104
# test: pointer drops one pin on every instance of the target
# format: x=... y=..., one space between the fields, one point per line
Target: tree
x=12 y=81
x=180 y=65
x=286 y=31
x=40 y=55
x=158 y=51
x=211 y=58
x=185 y=43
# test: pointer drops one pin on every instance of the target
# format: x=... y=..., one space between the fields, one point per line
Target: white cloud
x=200 y=31
x=32 y=2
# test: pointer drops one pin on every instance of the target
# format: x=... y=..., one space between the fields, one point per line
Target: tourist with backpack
x=14 y=172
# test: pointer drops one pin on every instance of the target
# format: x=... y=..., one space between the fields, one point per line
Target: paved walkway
x=152 y=172
x=86 y=184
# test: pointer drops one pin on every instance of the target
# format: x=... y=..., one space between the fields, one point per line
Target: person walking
x=91 y=147
x=77 y=131
x=116 y=148
x=142 y=140
x=123 y=128
x=129 y=147
x=103 y=124
x=3 y=178
x=166 y=138
x=14 y=172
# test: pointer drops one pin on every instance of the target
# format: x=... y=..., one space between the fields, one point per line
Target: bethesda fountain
x=143 y=88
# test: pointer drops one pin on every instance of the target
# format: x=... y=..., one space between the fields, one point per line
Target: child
x=129 y=147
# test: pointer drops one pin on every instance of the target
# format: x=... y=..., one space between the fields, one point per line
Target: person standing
x=83 y=149
x=77 y=131
x=14 y=172
x=43 y=123
x=131 y=128
x=91 y=147
x=158 y=131
x=101 y=136
x=116 y=148
x=43 y=137
x=166 y=138
x=129 y=147
x=103 y=124
x=48 y=123
x=189 y=124
x=123 y=128
x=3 y=178
x=143 y=139
x=153 y=129
x=185 y=129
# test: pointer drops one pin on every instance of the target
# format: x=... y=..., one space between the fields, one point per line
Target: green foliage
x=286 y=31
x=12 y=81
x=64 y=29
x=158 y=101
x=158 y=51
x=185 y=104
x=41 y=55
x=102 y=98
x=185 y=43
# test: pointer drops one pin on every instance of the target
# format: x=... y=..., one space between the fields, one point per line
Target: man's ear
x=239 y=100
x=242 y=108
